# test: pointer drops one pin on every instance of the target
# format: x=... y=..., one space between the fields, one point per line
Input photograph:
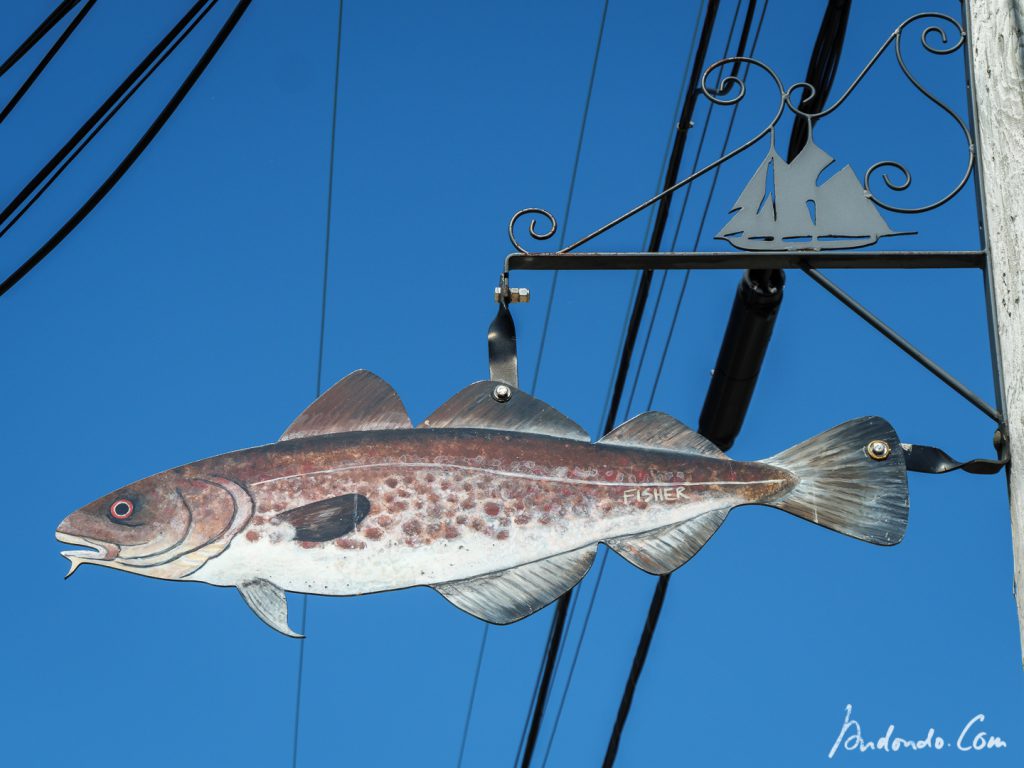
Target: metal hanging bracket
x=934 y=461
x=808 y=226
x=501 y=336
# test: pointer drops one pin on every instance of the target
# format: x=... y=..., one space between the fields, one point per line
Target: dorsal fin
x=476 y=407
x=659 y=430
x=358 y=403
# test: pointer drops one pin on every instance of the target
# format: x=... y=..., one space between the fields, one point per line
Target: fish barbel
x=499 y=506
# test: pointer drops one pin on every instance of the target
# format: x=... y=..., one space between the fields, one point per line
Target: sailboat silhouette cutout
x=782 y=207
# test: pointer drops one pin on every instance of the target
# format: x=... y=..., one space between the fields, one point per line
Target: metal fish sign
x=498 y=503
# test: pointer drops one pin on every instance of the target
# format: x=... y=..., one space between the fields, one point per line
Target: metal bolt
x=511 y=295
x=502 y=393
x=997 y=440
x=878 y=450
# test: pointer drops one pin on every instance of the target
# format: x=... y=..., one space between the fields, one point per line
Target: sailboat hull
x=814 y=244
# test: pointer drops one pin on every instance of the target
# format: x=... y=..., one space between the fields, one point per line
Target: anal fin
x=510 y=595
x=267 y=601
x=665 y=549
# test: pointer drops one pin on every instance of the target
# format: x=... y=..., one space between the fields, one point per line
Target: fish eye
x=122 y=509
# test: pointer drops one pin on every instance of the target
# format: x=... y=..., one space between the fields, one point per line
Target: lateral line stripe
x=519 y=475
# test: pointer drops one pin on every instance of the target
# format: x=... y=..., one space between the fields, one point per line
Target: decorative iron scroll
x=782 y=207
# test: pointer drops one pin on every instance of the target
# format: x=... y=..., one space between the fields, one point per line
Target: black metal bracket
x=501 y=340
x=934 y=461
x=767 y=241
x=504 y=367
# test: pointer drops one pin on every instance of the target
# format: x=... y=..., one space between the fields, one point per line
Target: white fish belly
x=393 y=563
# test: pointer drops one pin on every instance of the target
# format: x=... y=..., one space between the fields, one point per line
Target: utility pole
x=994 y=29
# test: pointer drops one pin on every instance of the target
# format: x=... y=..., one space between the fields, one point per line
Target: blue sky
x=181 y=320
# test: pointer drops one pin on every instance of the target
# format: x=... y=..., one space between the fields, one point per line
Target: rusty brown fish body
x=517 y=498
x=500 y=507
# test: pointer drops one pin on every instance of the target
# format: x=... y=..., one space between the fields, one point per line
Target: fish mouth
x=98 y=550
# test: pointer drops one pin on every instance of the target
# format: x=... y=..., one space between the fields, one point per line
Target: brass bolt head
x=878 y=450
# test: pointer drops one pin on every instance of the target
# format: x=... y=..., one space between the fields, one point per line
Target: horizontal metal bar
x=749 y=260
x=906 y=346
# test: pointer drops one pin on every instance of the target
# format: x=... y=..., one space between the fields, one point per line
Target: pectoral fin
x=328 y=518
x=267 y=601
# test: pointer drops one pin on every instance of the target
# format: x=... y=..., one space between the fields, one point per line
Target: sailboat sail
x=782 y=208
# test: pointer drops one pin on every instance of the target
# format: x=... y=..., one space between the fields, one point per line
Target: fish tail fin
x=849 y=481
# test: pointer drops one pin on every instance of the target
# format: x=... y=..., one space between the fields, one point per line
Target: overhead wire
x=661 y=216
x=472 y=696
x=94 y=131
x=540 y=354
x=650 y=215
x=46 y=59
x=640 y=297
x=661 y=587
x=117 y=98
x=534 y=696
x=575 y=658
x=821 y=74
x=320 y=353
x=136 y=151
x=37 y=34
x=539 y=690
x=572 y=189
x=600 y=572
x=700 y=226
x=682 y=209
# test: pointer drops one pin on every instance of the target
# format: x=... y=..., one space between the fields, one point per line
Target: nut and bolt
x=513 y=295
x=502 y=393
x=878 y=450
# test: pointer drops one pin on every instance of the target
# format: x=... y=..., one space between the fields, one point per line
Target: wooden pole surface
x=998 y=66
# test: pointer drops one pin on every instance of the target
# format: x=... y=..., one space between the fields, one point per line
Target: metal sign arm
x=906 y=346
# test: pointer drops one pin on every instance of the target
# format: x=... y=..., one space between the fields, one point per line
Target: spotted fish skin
x=499 y=505
x=455 y=503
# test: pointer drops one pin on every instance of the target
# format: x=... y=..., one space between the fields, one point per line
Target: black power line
x=604 y=554
x=68 y=159
x=821 y=74
x=759 y=294
x=113 y=102
x=661 y=217
x=47 y=58
x=320 y=352
x=133 y=154
x=527 y=741
x=686 y=200
x=37 y=34
x=821 y=71
x=572 y=190
x=643 y=289
x=661 y=588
